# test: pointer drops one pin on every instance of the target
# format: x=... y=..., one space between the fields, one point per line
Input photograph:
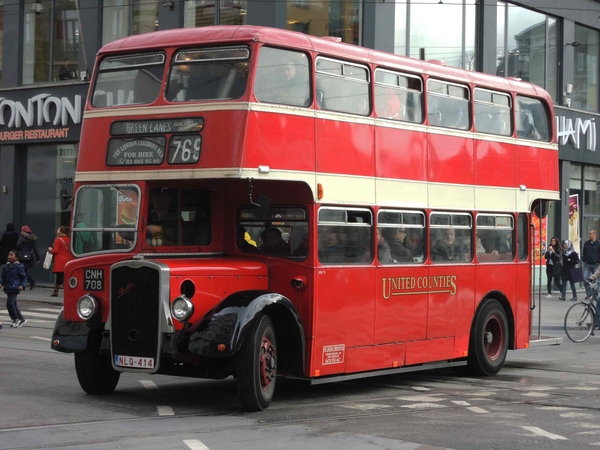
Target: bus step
x=542 y=341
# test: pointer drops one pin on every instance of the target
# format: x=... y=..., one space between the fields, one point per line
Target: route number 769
x=184 y=149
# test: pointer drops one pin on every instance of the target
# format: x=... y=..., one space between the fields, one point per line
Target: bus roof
x=185 y=37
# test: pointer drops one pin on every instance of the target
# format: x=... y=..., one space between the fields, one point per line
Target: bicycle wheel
x=579 y=322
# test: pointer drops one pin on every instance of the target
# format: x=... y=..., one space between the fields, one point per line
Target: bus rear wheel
x=257 y=366
x=489 y=340
x=94 y=371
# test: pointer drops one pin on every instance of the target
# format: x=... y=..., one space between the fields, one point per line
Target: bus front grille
x=134 y=311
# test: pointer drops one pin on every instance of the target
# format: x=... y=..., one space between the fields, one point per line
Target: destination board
x=183 y=125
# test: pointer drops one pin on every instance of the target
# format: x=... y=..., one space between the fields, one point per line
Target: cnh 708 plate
x=93 y=279
x=134 y=361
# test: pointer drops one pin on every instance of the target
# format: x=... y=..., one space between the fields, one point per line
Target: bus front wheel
x=489 y=340
x=257 y=366
x=94 y=371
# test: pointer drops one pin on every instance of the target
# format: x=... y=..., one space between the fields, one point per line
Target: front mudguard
x=71 y=337
x=228 y=323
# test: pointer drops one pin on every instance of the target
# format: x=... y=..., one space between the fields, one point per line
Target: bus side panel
x=401 y=310
x=521 y=309
x=451 y=159
x=281 y=141
x=451 y=303
x=534 y=165
x=336 y=140
x=400 y=154
x=344 y=314
x=494 y=164
x=372 y=358
x=429 y=350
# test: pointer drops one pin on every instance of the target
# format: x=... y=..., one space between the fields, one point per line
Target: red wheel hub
x=493 y=337
x=268 y=360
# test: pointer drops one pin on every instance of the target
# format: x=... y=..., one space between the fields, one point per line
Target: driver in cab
x=163 y=219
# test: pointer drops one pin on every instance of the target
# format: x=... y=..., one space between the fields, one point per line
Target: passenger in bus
x=163 y=220
x=244 y=241
x=414 y=242
x=448 y=248
x=274 y=242
x=479 y=248
x=299 y=240
x=395 y=238
x=390 y=107
x=294 y=88
x=384 y=252
x=502 y=243
x=331 y=249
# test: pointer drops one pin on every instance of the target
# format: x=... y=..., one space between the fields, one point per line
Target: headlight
x=182 y=308
x=86 y=307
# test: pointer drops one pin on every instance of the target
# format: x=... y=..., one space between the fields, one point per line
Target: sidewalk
x=41 y=294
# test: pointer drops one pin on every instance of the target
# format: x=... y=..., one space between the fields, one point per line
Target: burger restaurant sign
x=33 y=115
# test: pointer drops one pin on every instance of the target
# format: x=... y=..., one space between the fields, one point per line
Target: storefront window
x=198 y=13
x=341 y=18
x=122 y=18
x=585 y=65
x=51 y=41
x=591 y=200
x=50 y=168
x=574 y=208
x=529 y=46
x=428 y=29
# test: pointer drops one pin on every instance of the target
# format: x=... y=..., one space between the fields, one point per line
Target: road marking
x=195 y=444
x=554 y=408
x=540 y=388
x=364 y=406
x=423 y=406
x=40 y=337
x=50 y=310
x=540 y=432
x=481 y=394
x=149 y=384
x=536 y=394
x=165 y=411
x=7 y=319
x=40 y=315
x=461 y=403
x=575 y=415
x=583 y=388
x=420 y=388
x=421 y=398
x=478 y=410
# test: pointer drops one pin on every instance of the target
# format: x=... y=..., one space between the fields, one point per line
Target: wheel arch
x=230 y=322
x=501 y=298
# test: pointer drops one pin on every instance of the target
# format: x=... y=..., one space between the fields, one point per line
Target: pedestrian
x=62 y=254
x=590 y=258
x=29 y=252
x=14 y=280
x=8 y=242
x=553 y=257
x=570 y=258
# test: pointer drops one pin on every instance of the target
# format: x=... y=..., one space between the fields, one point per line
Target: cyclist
x=594 y=294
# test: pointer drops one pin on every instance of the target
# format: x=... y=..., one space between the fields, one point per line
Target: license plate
x=93 y=279
x=134 y=361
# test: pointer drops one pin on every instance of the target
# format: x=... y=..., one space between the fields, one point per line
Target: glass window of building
x=341 y=18
x=428 y=29
x=591 y=200
x=585 y=67
x=529 y=50
x=1 y=35
x=199 y=13
x=122 y=18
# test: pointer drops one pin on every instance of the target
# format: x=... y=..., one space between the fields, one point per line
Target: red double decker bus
x=253 y=202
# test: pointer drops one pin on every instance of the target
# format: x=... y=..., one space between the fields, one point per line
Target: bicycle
x=580 y=319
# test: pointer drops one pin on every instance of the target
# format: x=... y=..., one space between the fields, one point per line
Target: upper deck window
x=492 y=112
x=128 y=79
x=209 y=73
x=398 y=96
x=282 y=76
x=343 y=87
x=448 y=105
x=532 y=119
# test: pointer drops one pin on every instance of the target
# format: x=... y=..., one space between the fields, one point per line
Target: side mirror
x=65 y=199
x=262 y=205
x=541 y=208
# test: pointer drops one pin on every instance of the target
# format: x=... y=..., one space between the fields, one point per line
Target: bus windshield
x=126 y=80
x=105 y=219
x=210 y=73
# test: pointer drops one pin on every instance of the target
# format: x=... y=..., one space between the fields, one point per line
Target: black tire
x=94 y=371
x=579 y=322
x=256 y=370
x=489 y=340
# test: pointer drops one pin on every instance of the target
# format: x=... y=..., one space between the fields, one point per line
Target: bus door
x=344 y=306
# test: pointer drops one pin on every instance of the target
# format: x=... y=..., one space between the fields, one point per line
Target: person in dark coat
x=29 y=252
x=570 y=258
x=395 y=238
x=14 y=280
x=8 y=242
x=384 y=252
x=553 y=265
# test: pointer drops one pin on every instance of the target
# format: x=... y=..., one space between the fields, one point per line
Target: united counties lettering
x=435 y=284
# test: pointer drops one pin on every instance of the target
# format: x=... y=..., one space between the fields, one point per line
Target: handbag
x=48 y=260
x=576 y=274
x=26 y=256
